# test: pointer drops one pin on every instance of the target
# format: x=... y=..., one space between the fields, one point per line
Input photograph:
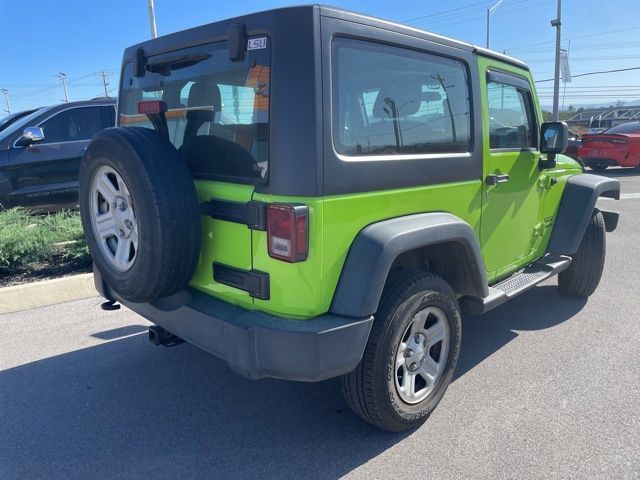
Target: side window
x=511 y=121
x=74 y=124
x=396 y=101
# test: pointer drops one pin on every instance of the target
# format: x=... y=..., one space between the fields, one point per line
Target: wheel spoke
x=400 y=358
x=435 y=333
x=122 y=251
x=134 y=237
x=409 y=383
x=105 y=225
x=106 y=189
x=418 y=322
x=429 y=369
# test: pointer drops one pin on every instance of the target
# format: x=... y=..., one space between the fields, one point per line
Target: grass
x=32 y=243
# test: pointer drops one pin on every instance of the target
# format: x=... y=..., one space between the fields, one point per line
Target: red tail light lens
x=288 y=232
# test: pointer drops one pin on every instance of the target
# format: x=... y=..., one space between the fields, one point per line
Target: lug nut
x=123 y=206
x=121 y=232
x=128 y=224
x=413 y=366
x=409 y=353
x=417 y=338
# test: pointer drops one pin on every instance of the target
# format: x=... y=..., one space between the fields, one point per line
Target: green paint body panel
x=513 y=222
x=225 y=242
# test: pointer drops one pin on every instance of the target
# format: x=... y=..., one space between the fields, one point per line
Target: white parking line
x=623 y=196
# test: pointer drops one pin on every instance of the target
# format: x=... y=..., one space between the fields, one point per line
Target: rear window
x=218 y=110
x=396 y=101
x=631 y=127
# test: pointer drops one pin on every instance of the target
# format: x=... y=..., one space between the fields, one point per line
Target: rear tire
x=135 y=189
x=583 y=275
x=399 y=382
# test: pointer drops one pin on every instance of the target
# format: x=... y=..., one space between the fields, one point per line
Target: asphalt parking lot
x=546 y=387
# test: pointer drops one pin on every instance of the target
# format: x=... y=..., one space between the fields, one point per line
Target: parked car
x=8 y=120
x=617 y=146
x=40 y=153
x=375 y=185
x=574 y=144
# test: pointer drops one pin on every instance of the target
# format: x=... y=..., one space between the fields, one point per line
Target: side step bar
x=518 y=283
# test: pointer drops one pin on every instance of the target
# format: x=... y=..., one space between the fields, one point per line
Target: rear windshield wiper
x=165 y=65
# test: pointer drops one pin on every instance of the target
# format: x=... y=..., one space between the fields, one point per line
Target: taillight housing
x=288 y=232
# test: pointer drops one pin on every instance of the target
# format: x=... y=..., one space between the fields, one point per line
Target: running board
x=518 y=283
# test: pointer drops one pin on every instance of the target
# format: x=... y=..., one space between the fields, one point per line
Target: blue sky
x=83 y=37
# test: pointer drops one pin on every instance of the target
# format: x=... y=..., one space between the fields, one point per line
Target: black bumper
x=254 y=344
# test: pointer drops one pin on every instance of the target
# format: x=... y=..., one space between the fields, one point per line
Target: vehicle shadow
x=126 y=409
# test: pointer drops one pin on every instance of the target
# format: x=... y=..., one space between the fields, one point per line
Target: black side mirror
x=30 y=136
x=554 y=138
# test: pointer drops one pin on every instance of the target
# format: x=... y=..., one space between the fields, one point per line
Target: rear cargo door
x=217 y=117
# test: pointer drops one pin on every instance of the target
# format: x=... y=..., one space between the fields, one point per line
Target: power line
x=411 y=20
x=594 y=73
x=572 y=38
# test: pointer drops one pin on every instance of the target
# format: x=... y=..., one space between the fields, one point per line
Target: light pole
x=556 y=78
x=489 y=12
x=63 y=77
x=152 y=20
x=6 y=99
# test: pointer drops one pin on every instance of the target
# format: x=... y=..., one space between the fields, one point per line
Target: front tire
x=583 y=275
x=411 y=355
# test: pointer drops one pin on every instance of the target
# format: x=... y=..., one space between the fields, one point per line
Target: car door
x=44 y=175
x=513 y=197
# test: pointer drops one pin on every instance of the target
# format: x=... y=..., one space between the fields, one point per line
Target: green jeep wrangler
x=309 y=193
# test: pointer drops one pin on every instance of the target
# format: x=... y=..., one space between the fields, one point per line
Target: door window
x=511 y=121
x=396 y=101
x=77 y=124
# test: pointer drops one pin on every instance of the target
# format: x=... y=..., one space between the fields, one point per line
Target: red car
x=617 y=146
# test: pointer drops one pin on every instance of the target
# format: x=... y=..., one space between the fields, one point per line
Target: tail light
x=288 y=232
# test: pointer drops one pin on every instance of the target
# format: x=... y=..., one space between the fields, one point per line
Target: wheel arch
x=576 y=207
x=447 y=245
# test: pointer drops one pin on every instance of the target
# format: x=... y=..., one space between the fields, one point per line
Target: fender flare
x=376 y=247
x=576 y=207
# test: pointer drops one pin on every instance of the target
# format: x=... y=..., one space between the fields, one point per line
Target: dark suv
x=40 y=153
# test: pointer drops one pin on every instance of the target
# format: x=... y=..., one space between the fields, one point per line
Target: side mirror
x=554 y=138
x=31 y=135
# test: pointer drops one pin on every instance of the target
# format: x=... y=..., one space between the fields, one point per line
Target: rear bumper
x=254 y=344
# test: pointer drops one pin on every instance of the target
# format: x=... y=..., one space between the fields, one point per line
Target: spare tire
x=140 y=213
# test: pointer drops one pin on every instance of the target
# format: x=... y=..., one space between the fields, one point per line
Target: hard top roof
x=340 y=13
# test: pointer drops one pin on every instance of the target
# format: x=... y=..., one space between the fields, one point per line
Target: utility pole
x=63 y=77
x=556 y=78
x=152 y=20
x=489 y=12
x=105 y=82
x=6 y=99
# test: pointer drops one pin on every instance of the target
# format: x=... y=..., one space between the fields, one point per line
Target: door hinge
x=253 y=213
x=547 y=181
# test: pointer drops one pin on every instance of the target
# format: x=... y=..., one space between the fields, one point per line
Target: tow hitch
x=160 y=336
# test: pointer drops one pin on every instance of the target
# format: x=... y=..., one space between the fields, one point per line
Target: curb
x=47 y=292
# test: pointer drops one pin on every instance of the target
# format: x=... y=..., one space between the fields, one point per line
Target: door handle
x=494 y=180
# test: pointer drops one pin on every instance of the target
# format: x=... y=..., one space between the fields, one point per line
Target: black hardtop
x=302 y=161
x=260 y=23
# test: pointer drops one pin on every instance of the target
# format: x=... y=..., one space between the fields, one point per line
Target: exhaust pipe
x=160 y=336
